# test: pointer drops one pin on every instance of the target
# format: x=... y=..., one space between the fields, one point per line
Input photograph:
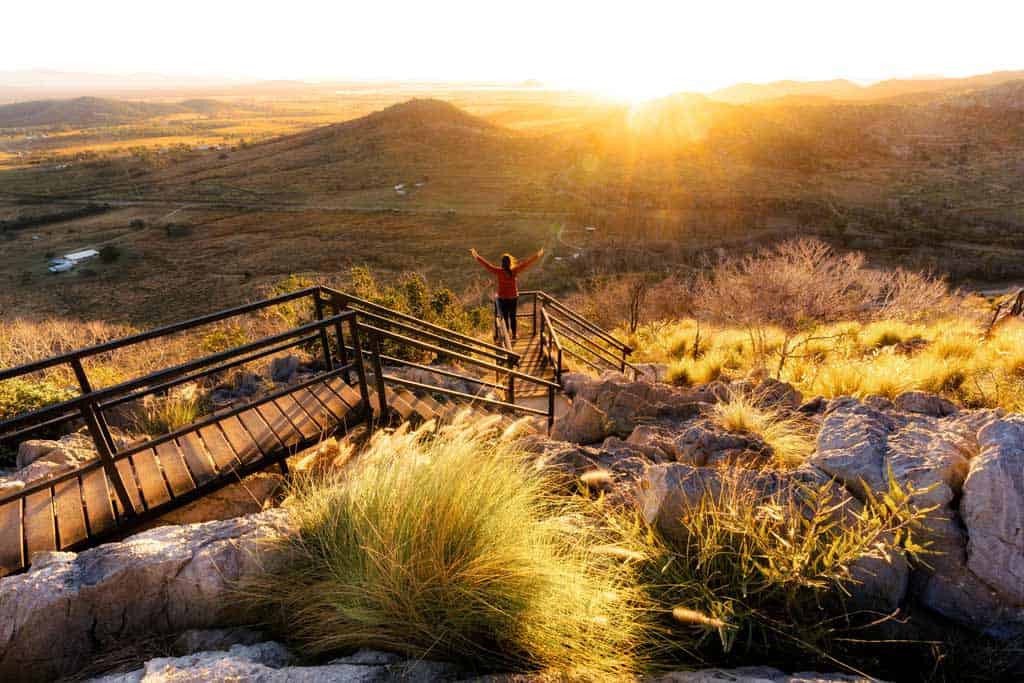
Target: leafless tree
x=801 y=285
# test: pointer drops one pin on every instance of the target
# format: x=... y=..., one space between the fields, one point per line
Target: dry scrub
x=452 y=547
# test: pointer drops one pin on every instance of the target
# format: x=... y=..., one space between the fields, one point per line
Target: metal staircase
x=361 y=349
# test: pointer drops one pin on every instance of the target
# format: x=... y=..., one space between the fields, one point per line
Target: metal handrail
x=452 y=392
x=163 y=331
x=170 y=436
x=466 y=359
x=345 y=297
x=589 y=345
x=436 y=337
x=586 y=334
x=433 y=369
x=97 y=396
x=578 y=318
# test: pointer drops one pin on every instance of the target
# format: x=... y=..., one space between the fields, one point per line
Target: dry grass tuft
x=790 y=437
x=450 y=546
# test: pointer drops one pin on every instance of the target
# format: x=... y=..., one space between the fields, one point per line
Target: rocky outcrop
x=270 y=662
x=754 y=674
x=626 y=403
x=165 y=580
x=667 y=494
x=975 y=567
x=584 y=423
x=924 y=403
x=993 y=508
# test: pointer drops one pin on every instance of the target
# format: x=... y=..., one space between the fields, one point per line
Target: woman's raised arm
x=484 y=262
x=527 y=262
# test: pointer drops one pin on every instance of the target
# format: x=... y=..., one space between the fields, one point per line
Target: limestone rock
x=254 y=493
x=925 y=403
x=270 y=662
x=205 y=639
x=70 y=450
x=584 y=423
x=993 y=508
x=754 y=674
x=627 y=402
x=852 y=445
x=653 y=371
x=283 y=368
x=778 y=394
x=56 y=617
x=666 y=494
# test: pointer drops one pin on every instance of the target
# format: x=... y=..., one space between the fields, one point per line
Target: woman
x=508 y=292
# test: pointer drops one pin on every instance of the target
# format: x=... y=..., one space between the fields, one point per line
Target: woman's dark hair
x=508 y=262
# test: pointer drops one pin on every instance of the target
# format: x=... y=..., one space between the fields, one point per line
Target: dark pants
x=507 y=309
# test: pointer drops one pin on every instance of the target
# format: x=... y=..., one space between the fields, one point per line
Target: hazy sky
x=632 y=47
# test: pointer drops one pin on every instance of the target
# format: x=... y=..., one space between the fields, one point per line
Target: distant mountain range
x=96 y=111
x=841 y=89
x=39 y=84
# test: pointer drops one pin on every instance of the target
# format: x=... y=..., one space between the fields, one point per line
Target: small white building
x=69 y=261
x=83 y=255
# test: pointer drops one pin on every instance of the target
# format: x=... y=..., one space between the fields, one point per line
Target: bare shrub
x=800 y=285
x=631 y=300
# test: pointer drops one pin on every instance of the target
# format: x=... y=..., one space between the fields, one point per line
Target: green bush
x=451 y=547
x=110 y=253
x=19 y=395
x=223 y=338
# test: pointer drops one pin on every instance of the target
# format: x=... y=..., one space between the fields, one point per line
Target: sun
x=633 y=88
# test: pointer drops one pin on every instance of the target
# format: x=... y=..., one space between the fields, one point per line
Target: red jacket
x=507 y=288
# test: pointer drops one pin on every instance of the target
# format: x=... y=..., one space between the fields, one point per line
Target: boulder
x=655 y=372
x=974 y=572
x=993 y=508
x=814 y=406
x=772 y=392
x=925 y=403
x=283 y=368
x=204 y=639
x=584 y=423
x=271 y=662
x=754 y=674
x=653 y=439
x=254 y=493
x=61 y=613
x=69 y=450
x=627 y=402
x=852 y=445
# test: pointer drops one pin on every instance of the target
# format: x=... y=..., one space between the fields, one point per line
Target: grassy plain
x=302 y=180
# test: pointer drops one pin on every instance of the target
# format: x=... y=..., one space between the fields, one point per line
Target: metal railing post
x=551 y=408
x=100 y=434
x=364 y=390
x=325 y=344
x=339 y=334
x=533 y=330
x=378 y=373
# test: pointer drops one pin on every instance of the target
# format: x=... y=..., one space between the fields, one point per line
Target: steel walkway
x=355 y=384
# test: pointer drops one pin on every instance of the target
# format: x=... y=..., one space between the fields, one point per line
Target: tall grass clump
x=762 y=574
x=165 y=414
x=452 y=547
x=790 y=437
